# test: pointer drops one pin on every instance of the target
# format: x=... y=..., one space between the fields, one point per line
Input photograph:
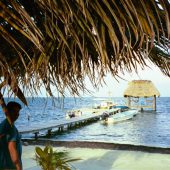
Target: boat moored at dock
x=121 y=116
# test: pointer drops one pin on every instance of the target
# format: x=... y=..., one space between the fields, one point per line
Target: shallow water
x=147 y=128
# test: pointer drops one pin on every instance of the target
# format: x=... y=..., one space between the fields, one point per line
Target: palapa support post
x=154 y=102
x=129 y=102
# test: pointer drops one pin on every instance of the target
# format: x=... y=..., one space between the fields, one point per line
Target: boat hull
x=121 y=116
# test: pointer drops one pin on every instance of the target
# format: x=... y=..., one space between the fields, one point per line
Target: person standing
x=10 y=140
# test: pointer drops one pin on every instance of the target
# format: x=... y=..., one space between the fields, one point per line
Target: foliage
x=60 y=42
x=49 y=159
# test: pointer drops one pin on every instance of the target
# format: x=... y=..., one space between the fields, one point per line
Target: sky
x=114 y=88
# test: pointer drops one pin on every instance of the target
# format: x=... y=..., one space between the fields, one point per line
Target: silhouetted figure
x=10 y=141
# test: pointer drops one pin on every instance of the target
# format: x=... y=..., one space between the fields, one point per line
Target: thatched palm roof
x=61 y=42
x=141 y=88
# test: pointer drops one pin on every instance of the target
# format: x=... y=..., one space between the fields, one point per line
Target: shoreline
x=103 y=159
x=97 y=145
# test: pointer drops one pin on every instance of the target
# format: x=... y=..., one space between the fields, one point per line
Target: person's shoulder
x=4 y=122
x=4 y=125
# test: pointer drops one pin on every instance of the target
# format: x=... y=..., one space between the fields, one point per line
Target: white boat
x=104 y=105
x=121 y=116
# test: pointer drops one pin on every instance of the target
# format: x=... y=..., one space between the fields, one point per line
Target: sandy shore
x=105 y=159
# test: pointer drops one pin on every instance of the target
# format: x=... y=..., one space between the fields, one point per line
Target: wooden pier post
x=60 y=129
x=49 y=132
x=36 y=135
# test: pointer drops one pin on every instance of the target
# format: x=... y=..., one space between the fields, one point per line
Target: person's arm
x=14 y=155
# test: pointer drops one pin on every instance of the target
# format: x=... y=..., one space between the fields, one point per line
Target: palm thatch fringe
x=60 y=42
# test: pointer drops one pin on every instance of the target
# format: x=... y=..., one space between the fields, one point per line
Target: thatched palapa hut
x=138 y=89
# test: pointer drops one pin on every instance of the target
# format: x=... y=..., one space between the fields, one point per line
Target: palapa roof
x=60 y=43
x=141 y=88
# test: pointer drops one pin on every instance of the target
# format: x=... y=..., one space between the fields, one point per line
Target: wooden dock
x=66 y=124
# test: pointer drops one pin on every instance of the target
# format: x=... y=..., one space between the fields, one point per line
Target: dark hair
x=12 y=105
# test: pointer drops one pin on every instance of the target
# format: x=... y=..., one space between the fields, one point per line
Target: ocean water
x=147 y=128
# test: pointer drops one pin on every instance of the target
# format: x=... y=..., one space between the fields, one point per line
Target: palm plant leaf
x=49 y=159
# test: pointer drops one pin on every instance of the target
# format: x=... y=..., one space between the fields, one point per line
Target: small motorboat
x=121 y=116
x=105 y=105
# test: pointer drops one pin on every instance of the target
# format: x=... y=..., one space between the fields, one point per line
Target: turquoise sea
x=147 y=128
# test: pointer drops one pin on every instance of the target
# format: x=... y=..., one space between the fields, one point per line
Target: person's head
x=13 y=110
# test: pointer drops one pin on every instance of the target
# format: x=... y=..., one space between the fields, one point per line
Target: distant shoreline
x=97 y=145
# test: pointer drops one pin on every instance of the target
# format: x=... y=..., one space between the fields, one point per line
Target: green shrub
x=49 y=159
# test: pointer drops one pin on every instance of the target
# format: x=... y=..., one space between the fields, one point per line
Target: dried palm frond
x=60 y=42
